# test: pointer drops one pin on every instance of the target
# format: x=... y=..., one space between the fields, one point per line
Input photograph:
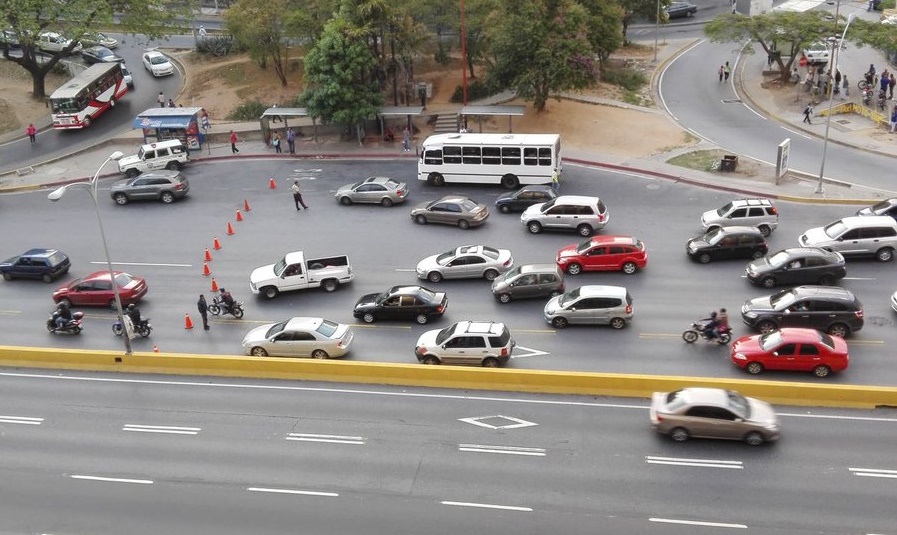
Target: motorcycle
x=217 y=307
x=697 y=331
x=144 y=329
x=867 y=96
x=72 y=326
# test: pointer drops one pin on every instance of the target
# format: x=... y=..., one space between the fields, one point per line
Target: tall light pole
x=836 y=47
x=463 y=59
x=91 y=187
x=657 y=29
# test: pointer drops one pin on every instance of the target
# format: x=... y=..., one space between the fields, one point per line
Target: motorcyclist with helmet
x=134 y=315
x=62 y=316
x=711 y=326
x=226 y=300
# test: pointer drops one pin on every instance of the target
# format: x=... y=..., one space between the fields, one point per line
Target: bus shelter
x=274 y=115
x=479 y=111
x=407 y=112
x=160 y=124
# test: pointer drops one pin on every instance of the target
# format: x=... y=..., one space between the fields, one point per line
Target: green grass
x=700 y=160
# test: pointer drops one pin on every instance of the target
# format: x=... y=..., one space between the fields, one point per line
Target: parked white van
x=170 y=154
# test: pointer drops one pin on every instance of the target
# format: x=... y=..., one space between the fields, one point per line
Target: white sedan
x=466 y=262
x=299 y=337
x=157 y=64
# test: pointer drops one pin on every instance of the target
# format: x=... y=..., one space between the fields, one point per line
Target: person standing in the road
x=721 y=73
x=891 y=82
x=555 y=180
x=726 y=71
x=836 y=87
x=233 y=143
x=291 y=140
x=807 y=111
x=297 y=195
x=203 y=308
x=31 y=132
x=845 y=86
x=161 y=100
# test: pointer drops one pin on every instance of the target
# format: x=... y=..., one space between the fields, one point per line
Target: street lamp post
x=836 y=48
x=91 y=187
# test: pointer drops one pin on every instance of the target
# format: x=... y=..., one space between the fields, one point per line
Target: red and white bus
x=78 y=102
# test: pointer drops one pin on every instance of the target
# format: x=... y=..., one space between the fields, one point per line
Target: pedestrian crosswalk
x=798 y=5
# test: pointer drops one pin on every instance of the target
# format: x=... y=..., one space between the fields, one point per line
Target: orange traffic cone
x=271 y=184
x=246 y=205
x=230 y=229
x=187 y=323
x=214 y=285
x=205 y=270
x=155 y=349
x=208 y=257
x=215 y=244
x=239 y=216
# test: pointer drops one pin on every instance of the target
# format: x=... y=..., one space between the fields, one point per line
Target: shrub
x=248 y=111
x=218 y=45
x=476 y=90
x=628 y=79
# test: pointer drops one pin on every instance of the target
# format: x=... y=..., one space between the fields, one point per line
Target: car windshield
x=771 y=340
x=427 y=295
x=883 y=205
x=444 y=334
x=569 y=297
x=158 y=60
x=468 y=205
x=826 y=340
x=713 y=236
x=391 y=184
x=584 y=246
x=511 y=273
x=780 y=259
x=491 y=252
x=674 y=400
x=724 y=210
x=56 y=258
x=833 y=230
x=782 y=300
x=739 y=403
x=276 y=328
x=123 y=279
x=445 y=257
x=327 y=328
x=547 y=206
x=280 y=266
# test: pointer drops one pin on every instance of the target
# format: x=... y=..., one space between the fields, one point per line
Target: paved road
x=103 y=454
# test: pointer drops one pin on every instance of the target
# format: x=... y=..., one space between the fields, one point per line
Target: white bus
x=78 y=102
x=506 y=159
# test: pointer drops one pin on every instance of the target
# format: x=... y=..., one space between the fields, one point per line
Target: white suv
x=481 y=343
x=170 y=154
x=583 y=214
x=760 y=213
x=53 y=42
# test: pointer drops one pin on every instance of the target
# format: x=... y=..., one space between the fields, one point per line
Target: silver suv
x=583 y=214
x=590 y=305
x=760 y=213
x=482 y=343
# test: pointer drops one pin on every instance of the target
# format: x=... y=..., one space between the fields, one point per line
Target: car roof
x=704 y=396
x=576 y=199
x=468 y=249
x=162 y=173
x=751 y=202
x=40 y=252
x=740 y=229
x=533 y=268
x=602 y=291
x=303 y=323
x=406 y=290
x=867 y=221
x=823 y=291
x=479 y=327
x=379 y=180
x=604 y=239
x=808 y=251
x=798 y=334
x=153 y=53
x=455 y=198
x=100 y=275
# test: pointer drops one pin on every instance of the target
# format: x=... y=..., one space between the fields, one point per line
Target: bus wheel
x=510 y=182
x=86 y=122
x=435 y=179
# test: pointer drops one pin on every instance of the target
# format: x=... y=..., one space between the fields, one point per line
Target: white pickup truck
x=295 y=272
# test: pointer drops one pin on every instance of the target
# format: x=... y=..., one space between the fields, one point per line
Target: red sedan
x=791 y=349
x=603 y=253
x=96 y=290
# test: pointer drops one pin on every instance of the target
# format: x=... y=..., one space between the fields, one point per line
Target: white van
x=170 y=154
x=856 y=235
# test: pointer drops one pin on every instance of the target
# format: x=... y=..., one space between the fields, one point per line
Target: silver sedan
x=451 y=210
x=466 y=262
x=299 y=337
x=375 y=189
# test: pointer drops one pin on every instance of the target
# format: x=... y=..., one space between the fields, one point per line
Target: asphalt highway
x=165 y=244
x=106 y=454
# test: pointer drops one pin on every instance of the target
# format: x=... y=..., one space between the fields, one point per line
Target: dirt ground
x=220 y=85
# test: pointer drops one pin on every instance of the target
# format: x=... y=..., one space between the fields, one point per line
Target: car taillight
x=629 y=309
x=859 y=313
x=600 y=217
x=440 y=309
x=772 y=210
x=400 y=193
x=178 y=186
x=419 y=350
x=507 y=262
x=504 y=352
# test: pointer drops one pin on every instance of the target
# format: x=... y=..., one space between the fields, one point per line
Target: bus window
x=433 y=157
x=510 y=155
x=545 y=156
x=451 y=154
x=530 y=156
x=471 y=155
x=491 y=156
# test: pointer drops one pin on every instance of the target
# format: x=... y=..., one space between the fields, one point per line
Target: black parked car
x=801 y=265
x=518 y=201
x=824 y=308
x=726 y=243
x=677 y=10
x=45 y=264
x=402 y=303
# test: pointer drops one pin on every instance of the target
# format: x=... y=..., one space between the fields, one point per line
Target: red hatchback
x=96 y=290
x=603 y=253
x=791 y=349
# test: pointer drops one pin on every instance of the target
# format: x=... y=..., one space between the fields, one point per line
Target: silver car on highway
x=466 y=262
x=299 y=337
x=375 y=189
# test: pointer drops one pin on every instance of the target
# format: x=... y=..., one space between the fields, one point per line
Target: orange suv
x=603 y=253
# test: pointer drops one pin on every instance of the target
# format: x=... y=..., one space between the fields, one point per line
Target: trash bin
x=728 y=163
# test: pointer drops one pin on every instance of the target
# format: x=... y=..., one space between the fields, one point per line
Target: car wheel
x=86 y=122
x=269 y=292
x=345 y=201
x=534 y=227
x=754 y=368
x=463 y=224
x=559 y=323
x=704 y=258
x=839 y=329
x=629 y=268
x=766 y=326
x=679 y=434
x=757 y=254
x=490 y=362
x=617 y=323
x=386 y=202
x=765 y=230
x=420 y=219
x=768 y=282
x=434 y=276
x=885 y=255
x=584 y=230
x=574 y=269
x=319 y=354
x=120 y=199
x=111 y=304
x=430 y=360
x=259 y=352
x=47 y=278
x=368 y=318
x=822 y=371
x=510 y=182
x=826 y=280
x=330 y=285
x=490 y=274
x=7 y=276
x=754 y=439
x=505 y=209
x=167 y=197
x=504 y=298
x=131 y=173
x=173 y=165
x=435 y=179
x=422 y=319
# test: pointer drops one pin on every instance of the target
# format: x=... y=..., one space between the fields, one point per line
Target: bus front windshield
x=65 y=105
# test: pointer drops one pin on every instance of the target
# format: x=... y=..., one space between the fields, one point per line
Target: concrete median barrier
x=818 y=394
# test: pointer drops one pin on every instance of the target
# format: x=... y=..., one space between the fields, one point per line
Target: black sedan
x=520 y=200
x=678 y=10
x=726 y=243
x=99 y=54
x=801 y=265
x=402 y=303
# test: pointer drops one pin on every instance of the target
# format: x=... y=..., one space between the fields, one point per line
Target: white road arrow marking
x=529 y=352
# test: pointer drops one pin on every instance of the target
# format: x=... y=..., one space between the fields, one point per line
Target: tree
x=540 y=47
x=640 y=8
x=339 y=72
x=781 y=34
x=258 y=25
x=604 y=29
x=29 y=18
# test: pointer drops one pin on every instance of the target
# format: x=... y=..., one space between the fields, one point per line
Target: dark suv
x=801 y=265
x=825 y=308
x=724 y=243
x=45 y=264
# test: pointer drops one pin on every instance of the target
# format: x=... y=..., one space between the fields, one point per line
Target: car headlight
x=739 y=356
x=772 y=427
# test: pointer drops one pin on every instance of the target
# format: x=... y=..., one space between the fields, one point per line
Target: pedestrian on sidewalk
x=893 y=124
x=297 y=195
x=807 y=111
x=721 y=73
x=406 y=140
x=171 y=103
x=726 y=71
x=884 y=81
x=161 y=100
x=555 y=180
x=845 y=85
x=275 y=142
x=291 y=140
x=203 y=308
x=836 y=87
x=891 y=82
x=233 y=142
x=870 y=5
x=31 y=132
